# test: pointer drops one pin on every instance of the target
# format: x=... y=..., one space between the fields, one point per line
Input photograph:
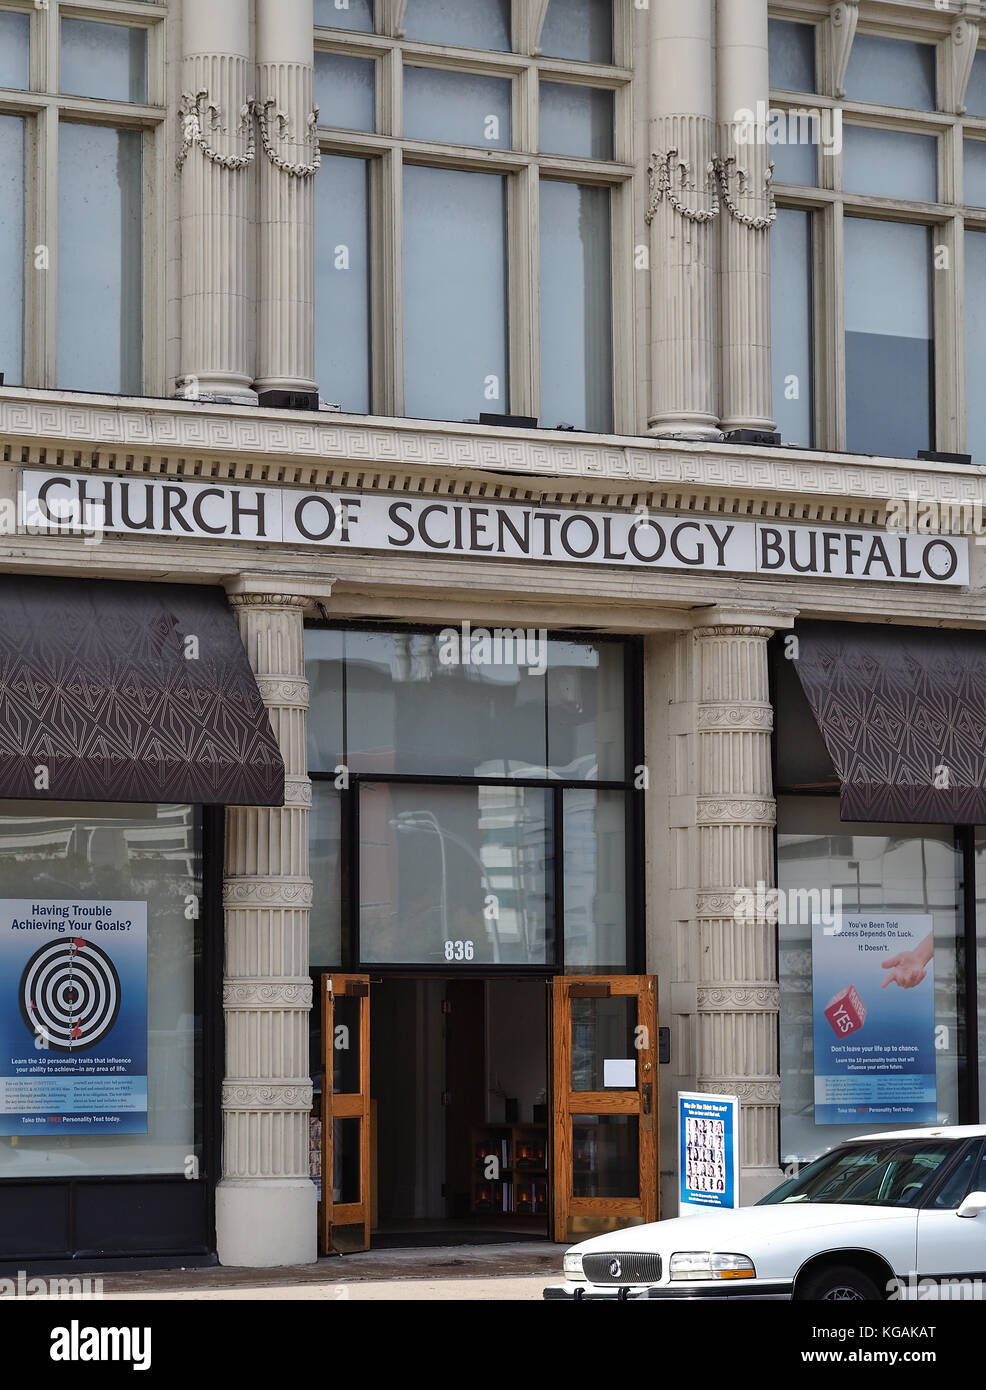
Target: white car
x=885 y=1216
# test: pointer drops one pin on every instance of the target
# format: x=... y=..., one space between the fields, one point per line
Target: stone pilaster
x=747 y=213
x=216 y=152
x=266 y=1202
x=289 y=160
x=682 y=210
x=731 y=956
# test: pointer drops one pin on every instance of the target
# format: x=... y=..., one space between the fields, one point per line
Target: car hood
x=743 y=1227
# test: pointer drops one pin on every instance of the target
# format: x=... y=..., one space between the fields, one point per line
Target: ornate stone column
x=215 y=155
x=738 y=996
x=289 y=160
x=682 y=209
x=747 y=214
x=266 y=1202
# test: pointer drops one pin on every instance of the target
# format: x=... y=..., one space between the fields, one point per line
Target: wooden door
x=344 y=1211
x=605 y=1088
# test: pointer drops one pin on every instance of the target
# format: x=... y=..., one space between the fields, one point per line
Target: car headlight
x=710 y=1264
x=572 y=1265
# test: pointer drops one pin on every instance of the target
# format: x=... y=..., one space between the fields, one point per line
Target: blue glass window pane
x=579 y=29
x=467 y=23
x=790 y=335
x=15 y=50
x=975 y=173
x=791 y=56
x=104 y=60
x=891 y=72
x=889 y=338
x=975 y=93
x=342 y=282
x=975 y=348
x=796 y=162
x=460 y=108
x=345 y=14
x=344 y=91
x=890 y=163
x=12 y=186
x=576 y=120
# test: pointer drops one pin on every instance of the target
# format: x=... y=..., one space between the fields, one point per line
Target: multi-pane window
x=81 y=100
x=876 y=252
x=474 y=174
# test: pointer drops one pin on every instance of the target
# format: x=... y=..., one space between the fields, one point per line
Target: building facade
x=572 y=405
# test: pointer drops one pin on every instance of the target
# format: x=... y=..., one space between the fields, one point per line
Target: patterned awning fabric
x=143 y=692
x=903 y=715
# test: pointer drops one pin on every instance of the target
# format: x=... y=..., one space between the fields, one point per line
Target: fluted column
x=216 y=156
x=288 y=162
x=266 y=1202
x=738 y=996
x=744 y=93
x=682 y=212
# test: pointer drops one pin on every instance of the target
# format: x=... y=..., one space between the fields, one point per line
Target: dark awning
x=900 y=710
x=129 y=692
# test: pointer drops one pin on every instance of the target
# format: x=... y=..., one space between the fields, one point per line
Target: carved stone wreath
x=196 y=114
x=719 y=177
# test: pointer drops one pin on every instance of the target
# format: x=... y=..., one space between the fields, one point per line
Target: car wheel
x=838 y=1284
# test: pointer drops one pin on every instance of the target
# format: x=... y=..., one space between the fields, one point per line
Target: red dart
x=78 y=943
x=76 y=1032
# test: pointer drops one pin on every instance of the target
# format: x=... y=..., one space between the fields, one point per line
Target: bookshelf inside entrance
x=510 y=1165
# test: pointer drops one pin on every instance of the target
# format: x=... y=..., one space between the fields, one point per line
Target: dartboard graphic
x=70 y=994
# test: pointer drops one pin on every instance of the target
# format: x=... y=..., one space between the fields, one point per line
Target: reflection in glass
x=459 y=108
x=12 y=186
x=104 y=60
x=468 y=23
x=889 y=348
x=891 y=72
x=791 y=49
x=325 y=867
x=15 y=50
x=99 y=259
x=576 y=307
x=342 y=282
x=975 y=353
x=884 y=868
x=791 y=325
x=576 y=120
x=579 y=29
x=345 y=14
x=893 y=163
x=454 y=874
x=602 y=1030
x=105 y=854
x=585 y=710
x=595 y=882
x=605 y=1156
x=344 y=91
x=455 y=293
x=345 y=1160
x=324 y=673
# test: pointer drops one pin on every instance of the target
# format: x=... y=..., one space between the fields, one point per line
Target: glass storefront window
x=325 y=867
x=595 y=853
x=981 y=959
x=586 y=730
x=454 y=875
x=906 y=869
x=149 y=855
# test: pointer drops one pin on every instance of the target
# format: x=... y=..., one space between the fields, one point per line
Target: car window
x=969 y=1176
x=884 y=1173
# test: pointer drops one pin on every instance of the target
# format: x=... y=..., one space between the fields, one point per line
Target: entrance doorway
x=459 y=1110
x=484 y=1109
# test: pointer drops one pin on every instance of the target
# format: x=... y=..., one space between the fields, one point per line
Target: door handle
x=646 y=1097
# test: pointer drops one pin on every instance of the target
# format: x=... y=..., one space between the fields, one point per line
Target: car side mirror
x=973 y=1204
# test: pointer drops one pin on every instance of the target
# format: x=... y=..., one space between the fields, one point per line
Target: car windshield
x=885 y=1173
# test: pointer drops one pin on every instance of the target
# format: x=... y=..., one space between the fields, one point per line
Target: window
x=889 y=363
x=792 y=55
x=791 y=325
x=487 y=228
x=975 y=345
x=887 y=198
x=488 y=804
x=72 y=271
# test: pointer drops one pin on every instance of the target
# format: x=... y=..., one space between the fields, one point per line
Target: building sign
x=708 y=1152
x=66 y=503
x=73 y=1017
x=873 y=989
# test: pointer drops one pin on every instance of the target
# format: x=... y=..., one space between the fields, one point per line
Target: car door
x=953 y=1247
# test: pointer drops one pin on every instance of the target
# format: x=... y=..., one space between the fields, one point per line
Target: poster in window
x=873 y=991
x=73 y=1017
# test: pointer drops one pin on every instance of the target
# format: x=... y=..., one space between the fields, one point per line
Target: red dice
x=846 y=1012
